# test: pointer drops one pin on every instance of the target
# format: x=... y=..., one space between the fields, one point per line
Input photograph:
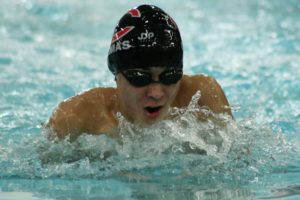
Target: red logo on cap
x=121 y=33
x=134 y=12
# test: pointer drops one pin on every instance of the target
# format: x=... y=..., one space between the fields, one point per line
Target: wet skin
x=95 y=111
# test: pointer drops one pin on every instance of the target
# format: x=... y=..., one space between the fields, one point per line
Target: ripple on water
x=180 y=147
x=5 y=61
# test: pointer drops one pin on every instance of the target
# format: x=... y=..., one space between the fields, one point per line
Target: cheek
x=131 y=96
x=172 y=92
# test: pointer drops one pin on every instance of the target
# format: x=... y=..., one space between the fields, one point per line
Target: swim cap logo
x=116 y=44
x=134 y=12
x=121 y=33
x=146 y=36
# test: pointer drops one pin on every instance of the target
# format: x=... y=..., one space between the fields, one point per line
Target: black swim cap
x=145 y=37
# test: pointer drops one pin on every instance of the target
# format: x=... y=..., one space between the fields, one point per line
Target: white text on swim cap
x=118 y=46
x=146 y=36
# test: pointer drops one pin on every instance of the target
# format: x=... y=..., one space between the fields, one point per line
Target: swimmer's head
x=145 y=36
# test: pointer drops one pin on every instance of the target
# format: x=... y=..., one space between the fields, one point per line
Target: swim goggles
x=140 y=78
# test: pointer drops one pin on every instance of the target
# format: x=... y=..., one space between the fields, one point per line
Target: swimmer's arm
x=213 y=96
x=91 y=112
x=66 y=120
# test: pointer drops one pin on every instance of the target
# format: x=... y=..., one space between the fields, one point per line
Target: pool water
x=52 y=50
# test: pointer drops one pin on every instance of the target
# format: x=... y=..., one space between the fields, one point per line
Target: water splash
x=183 y=133
x=178 y=148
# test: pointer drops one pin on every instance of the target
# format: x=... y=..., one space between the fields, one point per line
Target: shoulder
x=79 y=113
x=190 y=84
x=92 y=96
x=212 y=94
x=85 y=102
x=198 y=81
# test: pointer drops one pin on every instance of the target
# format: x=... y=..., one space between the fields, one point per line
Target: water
x=51 y=50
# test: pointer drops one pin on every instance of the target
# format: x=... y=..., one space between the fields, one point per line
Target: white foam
x=18 y=196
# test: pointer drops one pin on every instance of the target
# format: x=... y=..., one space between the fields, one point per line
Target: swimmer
x=146 y=59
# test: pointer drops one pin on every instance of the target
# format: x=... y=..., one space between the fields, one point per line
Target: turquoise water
x=51 y=50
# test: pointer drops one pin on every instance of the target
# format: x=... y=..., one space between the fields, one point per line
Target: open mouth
x=151 y=110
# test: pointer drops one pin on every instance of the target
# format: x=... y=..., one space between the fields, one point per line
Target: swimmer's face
x=147 y=103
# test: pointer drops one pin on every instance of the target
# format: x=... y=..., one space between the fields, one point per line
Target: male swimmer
x=146 y=58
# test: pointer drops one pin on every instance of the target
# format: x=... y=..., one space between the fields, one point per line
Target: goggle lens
x=140 y=78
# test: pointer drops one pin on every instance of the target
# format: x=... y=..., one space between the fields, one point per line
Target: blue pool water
x=52 y=50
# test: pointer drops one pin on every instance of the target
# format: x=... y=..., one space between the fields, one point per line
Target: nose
x=155 y=91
